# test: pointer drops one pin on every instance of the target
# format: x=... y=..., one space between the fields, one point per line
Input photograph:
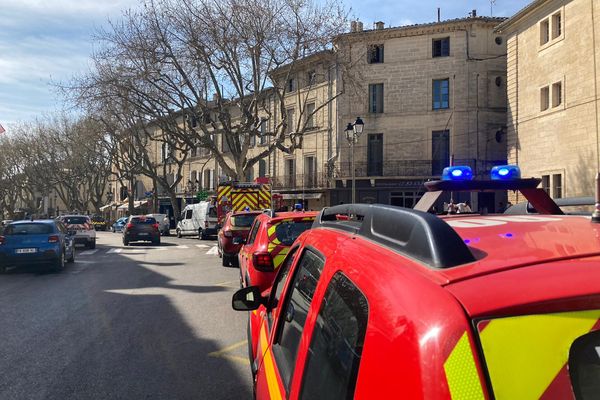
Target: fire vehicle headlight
x=505 y=172
x=457 y=173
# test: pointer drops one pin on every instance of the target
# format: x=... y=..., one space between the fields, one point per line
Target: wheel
x=60 y=263
x=178 y=233
x=156 y=242
x=226 y=260
x=201 y=234
x=92 y=244
x=125 y=242
x=3 y=269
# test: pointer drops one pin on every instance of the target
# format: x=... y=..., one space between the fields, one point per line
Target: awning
x=136 y=204
x=109 y=206
x=300 y=196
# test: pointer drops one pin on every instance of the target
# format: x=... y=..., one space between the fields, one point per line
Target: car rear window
x=143 y=220
x=28 y=229
x=75 y=220
x=243 y=220
x=288 y=231
x=212 y=212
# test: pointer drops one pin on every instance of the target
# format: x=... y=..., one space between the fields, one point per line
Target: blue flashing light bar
x=505 y=172
x=457 y=173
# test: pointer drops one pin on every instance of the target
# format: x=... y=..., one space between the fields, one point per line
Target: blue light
x=505 y=172
x=457 y=173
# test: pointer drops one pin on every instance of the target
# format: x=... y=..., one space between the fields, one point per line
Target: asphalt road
x=135 y=322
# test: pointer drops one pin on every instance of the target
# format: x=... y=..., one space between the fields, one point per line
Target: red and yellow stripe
x=270 y=374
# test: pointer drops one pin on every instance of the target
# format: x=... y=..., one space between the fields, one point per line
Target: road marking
x=213 y=251
x=116 y=250
x=223 y=353
x=159 y=248
x=182 y=247
x=88 y=252
x=202 y=246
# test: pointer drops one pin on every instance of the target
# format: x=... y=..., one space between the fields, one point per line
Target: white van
x=198 y=219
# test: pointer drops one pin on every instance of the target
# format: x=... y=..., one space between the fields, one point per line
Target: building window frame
x=551 y=28
x=440 y=47
x=545 y=98
x=375 y=53
x=440 y=95
x=376 y=98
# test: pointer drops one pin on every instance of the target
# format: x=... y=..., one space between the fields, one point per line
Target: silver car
x=83 y=228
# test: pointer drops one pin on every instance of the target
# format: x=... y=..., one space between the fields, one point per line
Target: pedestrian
x=452 y=208
x=464 y=208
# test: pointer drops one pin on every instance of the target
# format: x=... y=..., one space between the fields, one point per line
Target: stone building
x=553 y=81
x=427 y=93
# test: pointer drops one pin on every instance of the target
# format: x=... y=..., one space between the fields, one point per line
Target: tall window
x=440 y=151
x=441 y=47
x=544 y=98
x=376 y=98
x=375 y=54
x=262 y=168
x=546 y=183
x=291 y=85
x=264 y=128
x=310 y=118
x=311 y=77
x=375 y=154
x=556 y=94
x=557 y=186
x=544 y=31
x=556 y=25
x=290 y=121
x=337 y=342
x=310 y=172
x=441 y=94
x=290 y=173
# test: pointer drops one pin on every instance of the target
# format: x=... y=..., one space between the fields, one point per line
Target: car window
x=143 y=220
x=293 y=315
x=188 y=214
x=243 y=220
x=584 y=366
x=212 y=212
x=288 y=231
x=75 y=220
x=253 y=232
x=337 y=341
x=279 y=281
x=28 y=229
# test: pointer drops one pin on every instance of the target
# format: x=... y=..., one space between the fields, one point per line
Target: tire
x=156 y=242
x=178 y=233
x=92 y=244
x=226 y=260
x=201 y=234
x=125 y=242
x=60 y=264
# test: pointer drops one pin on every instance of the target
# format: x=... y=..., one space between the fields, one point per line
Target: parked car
x=119 y=224
x=385 y=302
x=268 y=242
x=141 y=228
x=236 y=225
x=163 y=222
x=99 y=222
x=198 y=219
x=32 y=243
x=83 y=228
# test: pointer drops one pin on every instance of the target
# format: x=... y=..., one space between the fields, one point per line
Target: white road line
x=160 y=248
x=116 y=250
x=88 y=252
x=182 y=247
x=213 y=251
x=202 y=246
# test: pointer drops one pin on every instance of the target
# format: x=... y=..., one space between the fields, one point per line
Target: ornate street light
x=353 y=132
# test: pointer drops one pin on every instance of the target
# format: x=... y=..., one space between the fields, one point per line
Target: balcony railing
x=406 y=168
x=300 y=181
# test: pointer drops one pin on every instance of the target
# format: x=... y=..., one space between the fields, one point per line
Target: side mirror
x=239 y=240
x=247 y=299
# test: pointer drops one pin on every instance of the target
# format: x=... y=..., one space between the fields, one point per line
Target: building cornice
x=519 y=16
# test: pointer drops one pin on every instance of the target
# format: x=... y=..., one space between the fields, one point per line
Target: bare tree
x=219 y=67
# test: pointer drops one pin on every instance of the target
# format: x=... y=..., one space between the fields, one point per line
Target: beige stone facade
x=553 y=93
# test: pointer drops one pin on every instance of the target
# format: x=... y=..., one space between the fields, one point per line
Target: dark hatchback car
x=237 y=225
x=32 y=243
x=141 y=228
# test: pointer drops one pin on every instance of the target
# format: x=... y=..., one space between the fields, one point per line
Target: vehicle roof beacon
x=596 y=213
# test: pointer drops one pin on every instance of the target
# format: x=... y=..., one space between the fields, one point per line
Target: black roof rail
x=416 y=234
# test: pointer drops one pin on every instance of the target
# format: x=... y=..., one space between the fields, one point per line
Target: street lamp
x=353 y=132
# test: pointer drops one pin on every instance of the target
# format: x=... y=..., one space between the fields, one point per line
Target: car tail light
x=2 y=240
x=228 y=234
x=155 y=226
x=263 y=261
x=53 y=239
x=129 y=225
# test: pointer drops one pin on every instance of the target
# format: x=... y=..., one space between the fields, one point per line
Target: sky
x=43 y=42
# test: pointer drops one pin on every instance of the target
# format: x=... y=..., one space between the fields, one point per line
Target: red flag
x=2 y=129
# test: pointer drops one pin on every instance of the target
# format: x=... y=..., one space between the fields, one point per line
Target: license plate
x=143 y=234
x=25 y=251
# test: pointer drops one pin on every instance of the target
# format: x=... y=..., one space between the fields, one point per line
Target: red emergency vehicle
x=389 y=302
x=241 y=196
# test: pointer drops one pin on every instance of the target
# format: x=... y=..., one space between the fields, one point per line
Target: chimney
x=474 y=13
x=439 y=14
x=359 y=26
x=379 y=25
x=353 y=26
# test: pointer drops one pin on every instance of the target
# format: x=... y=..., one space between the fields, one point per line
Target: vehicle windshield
x=75 y=220
x=243 y=220
x=288 y=231
x=143 y=220
x=27 y=229
x=212 y=212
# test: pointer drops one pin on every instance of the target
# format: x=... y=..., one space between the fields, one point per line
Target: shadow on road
x=117 y=332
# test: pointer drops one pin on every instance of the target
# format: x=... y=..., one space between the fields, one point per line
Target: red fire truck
x=238 y=196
